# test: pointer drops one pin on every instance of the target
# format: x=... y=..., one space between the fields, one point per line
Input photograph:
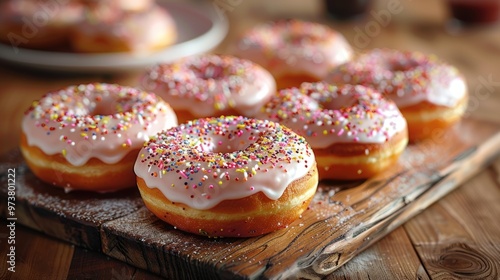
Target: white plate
x=200 y=29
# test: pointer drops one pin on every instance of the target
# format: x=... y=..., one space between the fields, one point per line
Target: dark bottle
x=475 y=11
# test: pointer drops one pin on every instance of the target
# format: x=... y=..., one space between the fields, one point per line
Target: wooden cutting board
x=343 y=219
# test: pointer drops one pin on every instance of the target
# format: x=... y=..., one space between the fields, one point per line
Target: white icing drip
x=200 y=170
x=67 y=121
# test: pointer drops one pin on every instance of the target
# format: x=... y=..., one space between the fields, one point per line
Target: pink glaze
x=407 y=78
x=206 y=85
x=294 y=47
x=206 y=161
x=102 y=121
x=325 y=114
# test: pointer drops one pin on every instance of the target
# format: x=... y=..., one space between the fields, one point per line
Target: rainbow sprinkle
x=326 y=114
x=255 y=155
x=95 y=119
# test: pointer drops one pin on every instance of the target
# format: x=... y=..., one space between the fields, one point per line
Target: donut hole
x=403 y=65
x=331 y=106
x=232 y=142
x=338 y=104
x=319 y=96
x=97 y=106
x=106 y=105
x=209 y=71
x=103 y=109
x=302 y=38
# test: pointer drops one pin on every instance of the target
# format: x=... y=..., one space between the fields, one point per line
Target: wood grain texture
x=394 y=248
x=41 y=257
x=457 y=242
x=343 y=220
x=54 y=265
x=74 y=217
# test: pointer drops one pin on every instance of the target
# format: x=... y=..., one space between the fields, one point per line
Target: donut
x=354 y=131
x=106 y=30
x=227 y=176
x=41 y=24
x=430 y=94
x=211 y=85
x=294 y=51
x=87 y=137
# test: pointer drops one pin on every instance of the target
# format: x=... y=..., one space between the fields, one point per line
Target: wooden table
x=457 y=237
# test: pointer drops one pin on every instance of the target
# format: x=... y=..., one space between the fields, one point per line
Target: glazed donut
x=136 y=5
x=294 y=51
x=211 y=85
x=41 y=24
x=87 y=137
x=106 y=30
x=227 y=177
x=354 y=131
x=430 y=94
